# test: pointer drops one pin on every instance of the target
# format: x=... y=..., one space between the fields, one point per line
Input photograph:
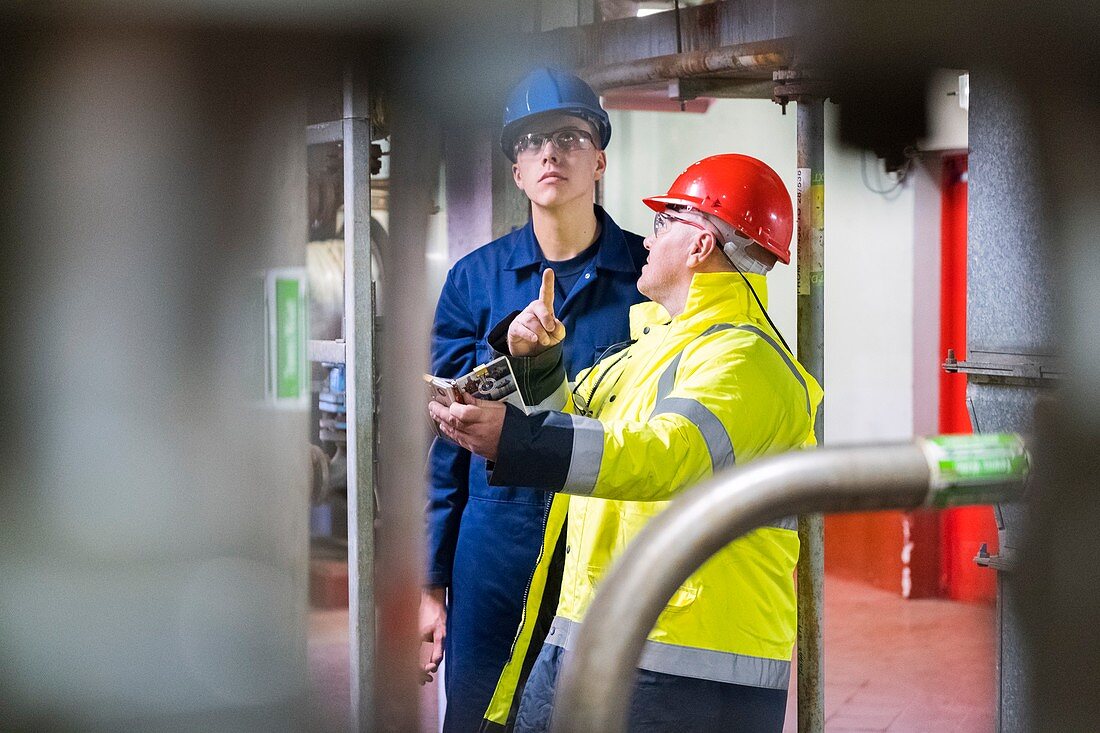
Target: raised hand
x=536 y=328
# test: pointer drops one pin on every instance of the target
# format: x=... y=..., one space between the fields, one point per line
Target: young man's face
x=552 y=177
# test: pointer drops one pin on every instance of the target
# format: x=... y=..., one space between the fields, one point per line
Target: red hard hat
x=741 y=191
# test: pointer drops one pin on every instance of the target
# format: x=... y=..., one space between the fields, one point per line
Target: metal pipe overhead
x=598 y=675
x=810 y=183
x=753 y=57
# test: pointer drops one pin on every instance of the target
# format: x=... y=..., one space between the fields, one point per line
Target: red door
x=962 y=531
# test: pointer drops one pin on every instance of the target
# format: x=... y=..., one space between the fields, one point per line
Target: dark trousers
x=663 y=702
x=497 y=548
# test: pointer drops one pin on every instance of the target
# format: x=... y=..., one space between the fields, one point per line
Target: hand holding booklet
x=490 y=381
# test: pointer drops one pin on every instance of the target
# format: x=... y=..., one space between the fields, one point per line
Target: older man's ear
x=702 y=248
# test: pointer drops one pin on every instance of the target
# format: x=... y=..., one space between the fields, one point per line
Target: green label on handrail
x=976 y=469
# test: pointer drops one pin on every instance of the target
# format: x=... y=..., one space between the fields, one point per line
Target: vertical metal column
x=811 y=353
x=414 y=174
x=1011 y=326
x=359 y=338
x=1055 y=594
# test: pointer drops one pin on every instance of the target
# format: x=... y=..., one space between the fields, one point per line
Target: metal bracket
x=332 y=352
x=325 y=132
x=1005 y=562
x=791 y=85
x=1006 y=368
x=719 y=87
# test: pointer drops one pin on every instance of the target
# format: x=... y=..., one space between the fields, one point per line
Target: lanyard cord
x=624 y=346
x=585 y=404
x=762 y=308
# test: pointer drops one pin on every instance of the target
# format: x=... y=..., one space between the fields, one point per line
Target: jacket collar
x=714 y=297
x=724 y=295
x=613 y=253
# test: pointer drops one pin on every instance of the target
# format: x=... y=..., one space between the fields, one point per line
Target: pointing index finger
x=546 y=292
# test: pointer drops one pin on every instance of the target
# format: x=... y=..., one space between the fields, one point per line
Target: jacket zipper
x=531 y=577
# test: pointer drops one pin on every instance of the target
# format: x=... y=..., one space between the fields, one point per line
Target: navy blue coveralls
x=483 y=541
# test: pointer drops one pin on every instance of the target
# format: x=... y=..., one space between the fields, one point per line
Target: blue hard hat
x=550 y=90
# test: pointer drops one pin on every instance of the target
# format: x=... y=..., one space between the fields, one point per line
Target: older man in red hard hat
x=706 y=381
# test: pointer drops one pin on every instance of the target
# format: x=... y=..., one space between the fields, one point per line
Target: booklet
x=490 y=381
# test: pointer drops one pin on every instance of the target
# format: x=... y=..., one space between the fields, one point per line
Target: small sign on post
x=286 y=309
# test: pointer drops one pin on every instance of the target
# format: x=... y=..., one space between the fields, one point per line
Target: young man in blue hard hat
x=484 y=542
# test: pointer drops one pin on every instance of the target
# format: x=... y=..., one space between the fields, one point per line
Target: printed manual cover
x=491 y=381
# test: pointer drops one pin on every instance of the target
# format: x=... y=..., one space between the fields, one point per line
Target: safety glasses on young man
x=566 y=140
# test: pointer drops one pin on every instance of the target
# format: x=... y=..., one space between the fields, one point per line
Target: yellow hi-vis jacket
x=706 y=390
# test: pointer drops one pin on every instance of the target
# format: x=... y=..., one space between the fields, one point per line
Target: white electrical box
x=948 y=99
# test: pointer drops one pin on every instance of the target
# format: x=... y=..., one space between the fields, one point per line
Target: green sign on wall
x=288 y=362
x=287 y=330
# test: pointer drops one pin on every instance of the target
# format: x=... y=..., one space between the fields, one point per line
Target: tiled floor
x=904 y=666
x=328 y=668
x=328 y=671
x=891 y=665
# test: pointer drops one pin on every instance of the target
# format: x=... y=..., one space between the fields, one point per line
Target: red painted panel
x=895 y=551
x=961 y=530
x=953 y=415
x=920 y=554
x=865 y=547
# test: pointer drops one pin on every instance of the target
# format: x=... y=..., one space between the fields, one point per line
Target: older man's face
x=665 y=268
x=673 y=255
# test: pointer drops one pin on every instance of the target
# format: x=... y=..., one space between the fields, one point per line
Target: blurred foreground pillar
x=1059 y=585
x=153 y=506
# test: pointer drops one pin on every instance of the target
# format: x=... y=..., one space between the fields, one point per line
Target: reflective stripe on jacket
x=706 y=390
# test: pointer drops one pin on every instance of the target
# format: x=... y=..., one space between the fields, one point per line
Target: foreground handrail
x=598 y=675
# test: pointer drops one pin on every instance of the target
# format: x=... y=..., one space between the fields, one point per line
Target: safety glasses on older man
x=663 y=220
